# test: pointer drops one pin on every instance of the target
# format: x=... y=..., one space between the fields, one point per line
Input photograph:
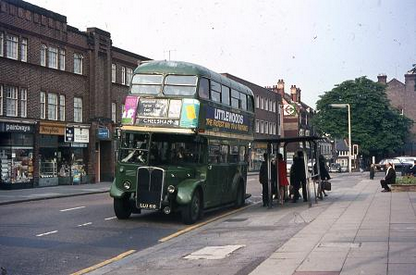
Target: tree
x=375 y=126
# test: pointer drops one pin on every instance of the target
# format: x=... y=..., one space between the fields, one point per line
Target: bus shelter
x=310 y=150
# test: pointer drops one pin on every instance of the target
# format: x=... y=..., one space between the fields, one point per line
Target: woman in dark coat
x=298 y=177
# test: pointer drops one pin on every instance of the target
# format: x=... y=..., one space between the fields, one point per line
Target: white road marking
x=213 y=252
x=70 y=209
x=110 y=218
x=84 y=224
x=47 y=233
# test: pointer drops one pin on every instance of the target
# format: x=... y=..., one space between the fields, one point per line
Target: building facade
x=61 y=96
x=296 y=115
x=268 y=119
x=402 y=96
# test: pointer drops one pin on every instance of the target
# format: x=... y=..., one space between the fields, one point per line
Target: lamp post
x=346 y=105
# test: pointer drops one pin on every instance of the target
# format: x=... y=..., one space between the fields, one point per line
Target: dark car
x=335 y=168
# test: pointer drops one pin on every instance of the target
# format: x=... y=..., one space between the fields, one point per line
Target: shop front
x=16 y=155
x=74 y=161
x=257 y=151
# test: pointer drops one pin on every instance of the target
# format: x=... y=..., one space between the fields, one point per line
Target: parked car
x=335 y=168
x=401 y=164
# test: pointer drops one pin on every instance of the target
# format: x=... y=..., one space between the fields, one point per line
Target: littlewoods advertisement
x=222 y=120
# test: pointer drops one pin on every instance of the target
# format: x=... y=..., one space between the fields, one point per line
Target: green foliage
x=375 y=126
x=406 y=180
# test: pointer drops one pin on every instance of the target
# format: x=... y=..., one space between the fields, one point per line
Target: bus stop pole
x=269 y=180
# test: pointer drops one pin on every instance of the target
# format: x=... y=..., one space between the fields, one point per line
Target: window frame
x=62 y=107
x=42 y=101
x=52 y=106
x=123 y=75
x=12 y=99
x=78 y=66
x=43 y=58
x=23 y=49
x=62 y=59
x=12 y=47
x=1 y=100
x=78 y=109
x=53 y=55
x=23 y=102
x=114 y=112
x=1 y=43
x=113 y=73
x=225 y=95
x=129 y=75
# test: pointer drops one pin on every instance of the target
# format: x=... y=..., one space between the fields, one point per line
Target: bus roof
x=186 y=68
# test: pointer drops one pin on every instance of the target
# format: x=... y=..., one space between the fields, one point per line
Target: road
x=65 y=235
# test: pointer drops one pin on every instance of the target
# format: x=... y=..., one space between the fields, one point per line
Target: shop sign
x=16 y=127
x=103 y=133
x=50 y=129
x=289 y=110
x=69 y=134
x=81 y=135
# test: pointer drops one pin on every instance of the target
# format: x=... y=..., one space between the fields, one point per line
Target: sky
x=313 y=44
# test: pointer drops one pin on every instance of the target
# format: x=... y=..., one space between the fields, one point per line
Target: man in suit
x=390 y=178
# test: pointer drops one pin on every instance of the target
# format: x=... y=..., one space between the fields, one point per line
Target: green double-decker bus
x=183 y=143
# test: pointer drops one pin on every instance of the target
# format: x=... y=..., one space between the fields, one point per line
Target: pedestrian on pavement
x=372 y=171
x=274 y=177
x=324 y=175
x=264 y=178
x=390 y=177
x=283 y=182
x=298 y=177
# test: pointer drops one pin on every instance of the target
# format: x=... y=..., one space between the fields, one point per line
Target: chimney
x=293 y=91
x=382 y=78
x=410 y=80
x=298 y=94
x=281 y=87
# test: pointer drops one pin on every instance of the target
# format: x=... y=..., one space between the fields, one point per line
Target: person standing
x=283 y=182
x=372 y=171
x=324 y=175
x=298 y=176
x=390 y=178
x=264 y=181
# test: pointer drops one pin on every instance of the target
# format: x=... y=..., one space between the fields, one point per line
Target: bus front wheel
x=122 y=208
x=192 y=212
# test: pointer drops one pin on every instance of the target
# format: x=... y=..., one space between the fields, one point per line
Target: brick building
x=402 y=96
x=61 y=96
x=296 y=115
x=268 y=120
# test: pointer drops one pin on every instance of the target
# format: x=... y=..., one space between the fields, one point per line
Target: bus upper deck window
x=203 y=90
x=225 y=95
x=243 y=100
x=180 y=85
x=146 y=84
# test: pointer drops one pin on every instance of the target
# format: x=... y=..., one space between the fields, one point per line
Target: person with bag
x=283 y=182
x=324 y=177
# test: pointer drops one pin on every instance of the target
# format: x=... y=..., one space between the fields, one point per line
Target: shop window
x=42 y=105
x=52 y=106
x=62 y=62
x=23 y=50
x=123 y=75
x=12 y=43
x=77 y=109
x=78 y=63
x=62 y=104
x=129 y=76
x=43 y=49
x=113 y=73
x=1 y=43
x=113 y=112
x=23 y=102
x=11 y=100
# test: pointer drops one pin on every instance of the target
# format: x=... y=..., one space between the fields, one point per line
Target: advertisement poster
x=130 y=109
x=190 y=113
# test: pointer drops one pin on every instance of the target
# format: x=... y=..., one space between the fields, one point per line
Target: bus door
x=217 y=176
x=233 y=169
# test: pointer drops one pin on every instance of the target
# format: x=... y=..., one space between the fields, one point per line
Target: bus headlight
x=171 y=189
x=127 y=185
x=121 y=169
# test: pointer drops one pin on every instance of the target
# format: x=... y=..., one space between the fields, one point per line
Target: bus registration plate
x=147 y=206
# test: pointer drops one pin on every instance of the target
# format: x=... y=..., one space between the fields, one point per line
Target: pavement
x=355 y=230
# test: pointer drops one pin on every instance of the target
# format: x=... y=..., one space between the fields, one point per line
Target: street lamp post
x=346 y=105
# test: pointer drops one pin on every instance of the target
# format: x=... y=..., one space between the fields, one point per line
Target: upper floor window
x=53 y=57
x=1 y=43
x=129 y=76
x=270 y=105
x=62 y=63
x=266 y=104
x=113 y=111
x=77 y=109
x=23 y=50
x=1 y=100
x=43 y=49
x=78 y=63
x=42 y=105
x=11 y=100
x=113 y=73
x=123 y=75
x=257 y=101
x=23 y=102
x=12 y=43
x=62 y=104
x=52 y=106
x=257 y=126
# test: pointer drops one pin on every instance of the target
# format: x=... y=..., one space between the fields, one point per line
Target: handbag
x=326 y=185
